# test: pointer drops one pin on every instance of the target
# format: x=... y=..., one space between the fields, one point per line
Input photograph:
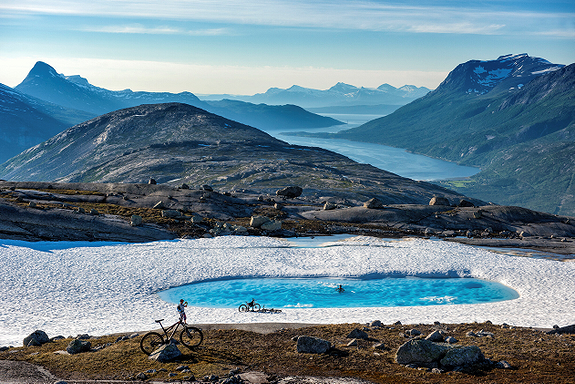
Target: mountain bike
x=249 y=306
x=191 y=337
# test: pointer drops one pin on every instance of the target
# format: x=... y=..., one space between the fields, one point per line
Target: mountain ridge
x=462 y=122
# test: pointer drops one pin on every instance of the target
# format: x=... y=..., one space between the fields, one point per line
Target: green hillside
x=522 y=139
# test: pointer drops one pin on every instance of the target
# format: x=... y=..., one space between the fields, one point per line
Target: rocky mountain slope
x=178 y=143
x=25 y=122
x=513 y=117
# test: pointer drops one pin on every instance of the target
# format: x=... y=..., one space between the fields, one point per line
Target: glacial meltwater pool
x=323 y=293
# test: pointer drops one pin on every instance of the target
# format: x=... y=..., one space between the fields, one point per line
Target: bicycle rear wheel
x=257 y=307
x=150 y=342
x=191 y=337
x=243 y=308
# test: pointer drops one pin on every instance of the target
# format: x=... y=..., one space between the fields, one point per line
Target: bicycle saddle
x=157 y=321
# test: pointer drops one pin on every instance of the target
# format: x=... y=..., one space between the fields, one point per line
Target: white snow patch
x=72 y=288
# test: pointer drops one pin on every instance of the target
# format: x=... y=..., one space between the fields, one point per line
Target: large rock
x=272 y=225
x=309 y=344
x=456 y=357
x=290 y=192
x=374 y=203
x=166 y=353
x=257 y=221
x=569 y=329
x=421 y=352
x=439 y=200
x=78 y=346
x=36 y=338
x=358 y=334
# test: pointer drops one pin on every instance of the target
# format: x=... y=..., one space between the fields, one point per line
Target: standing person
x=181 y=310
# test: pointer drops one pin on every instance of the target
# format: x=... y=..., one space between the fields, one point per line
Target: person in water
x=182 y=310
x=340 y=289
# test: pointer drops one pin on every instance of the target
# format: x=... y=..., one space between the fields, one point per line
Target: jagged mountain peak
x=502 y=74
x=41 y=69
x=343 y=88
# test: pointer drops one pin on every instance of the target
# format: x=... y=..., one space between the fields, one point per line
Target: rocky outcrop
x=309 y=344
x=78 y=346
x=166 y=353
x=36 y=338
x=426 y=353
x=290 y=192
x=64 y=225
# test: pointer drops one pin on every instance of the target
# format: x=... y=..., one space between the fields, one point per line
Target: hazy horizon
x=233 y=47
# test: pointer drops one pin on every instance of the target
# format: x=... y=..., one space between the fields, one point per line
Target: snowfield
x=75 y=288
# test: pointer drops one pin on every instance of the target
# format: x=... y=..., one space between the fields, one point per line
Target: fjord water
x=396 y=160
x=280 y=293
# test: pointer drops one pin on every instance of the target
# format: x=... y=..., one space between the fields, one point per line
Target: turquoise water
x=322 y=293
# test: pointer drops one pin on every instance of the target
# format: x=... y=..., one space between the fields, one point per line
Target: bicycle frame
x=172 y=328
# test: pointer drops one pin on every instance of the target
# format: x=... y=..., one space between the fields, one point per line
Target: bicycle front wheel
x=243 y=308
x=150 y=342
x=191 y=337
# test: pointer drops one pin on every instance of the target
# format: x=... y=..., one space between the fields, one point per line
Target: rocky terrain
x=104 y=211
x=296 y=353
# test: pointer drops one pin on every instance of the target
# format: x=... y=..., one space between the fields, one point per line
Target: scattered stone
x=272 y=225
x=94 y=212
x=80 y=210
x=471 y=334
x=4 y=348
x=207 y=188
x=436 y=337
x=32 y=204
x=136 y=220
x=380 y=346
x=166 y=353
x=439 y=200
x=504 y=365
x=352 y=343
x=569 y=329
x=257 y=221
x=477 y=214
x=184 y=186
x=171 y=214
x=182 y=368
x=419 y=352
x=465 y=203
x=152 y=181
x=450 y=340
x=357 y=334
x=83 y=336
x=375 y=323
x=290 y=192
x=196 y=219
x=437 y=370
x=78 y=346
x=329 y=206
x=309 y=344
x=413 y=332
x=456 y=357
x=374 y=203
x=159 y=205
x=39 y=337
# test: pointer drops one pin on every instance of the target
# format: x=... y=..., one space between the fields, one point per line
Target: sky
x=239 y=47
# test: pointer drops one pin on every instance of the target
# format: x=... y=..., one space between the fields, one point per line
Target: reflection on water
x=390 y=159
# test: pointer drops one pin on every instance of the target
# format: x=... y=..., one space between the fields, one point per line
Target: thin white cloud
x=338 y=14
x=140 y=29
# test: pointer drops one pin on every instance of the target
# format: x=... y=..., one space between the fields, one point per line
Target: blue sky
x=228 y=46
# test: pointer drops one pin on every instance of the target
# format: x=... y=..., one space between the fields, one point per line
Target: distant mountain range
x=177 y=143
x=514 y=117
x=351 y=98
x=60 y=101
